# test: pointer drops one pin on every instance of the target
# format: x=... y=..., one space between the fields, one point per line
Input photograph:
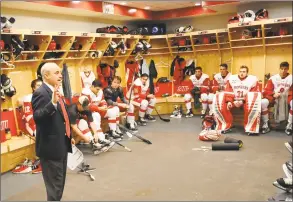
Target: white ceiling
x=157 y=5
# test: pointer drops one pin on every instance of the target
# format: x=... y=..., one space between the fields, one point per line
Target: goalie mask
x=248 y=16
x=261 y=14
x=208 y=123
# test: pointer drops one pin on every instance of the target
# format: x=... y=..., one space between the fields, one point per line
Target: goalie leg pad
x=222 y=115
x=252 y=112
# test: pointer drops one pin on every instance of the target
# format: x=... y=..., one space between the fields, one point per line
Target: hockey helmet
x=113 y=44
x=234 y=19
x=209 y=135
x=188 y=29
x=208 y=122
x=139 y=47
x=248 y=16
x=262 y=14
x=179 y=30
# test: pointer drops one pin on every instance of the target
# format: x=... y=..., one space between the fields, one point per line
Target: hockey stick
x=163 y=119
x=123 y=146
x=138 y=136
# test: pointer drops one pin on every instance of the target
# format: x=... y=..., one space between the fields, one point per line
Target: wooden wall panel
x=275 y=55
x=209 y=61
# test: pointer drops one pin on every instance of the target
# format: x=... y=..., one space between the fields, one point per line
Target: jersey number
x=240 y=94
x=27 y=109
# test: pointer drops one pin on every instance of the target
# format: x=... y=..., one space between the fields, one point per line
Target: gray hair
x=46 y=68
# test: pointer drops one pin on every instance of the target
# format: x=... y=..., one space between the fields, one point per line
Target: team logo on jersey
x=282 y=90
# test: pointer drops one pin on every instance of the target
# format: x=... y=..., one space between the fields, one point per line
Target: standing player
x=278 y=92
x=218 y=84
x=200 y=82
x=98 y=104
x=26 y=104
x=140 y=97
x=111 y=93
x=242 y=90
x=80 y=118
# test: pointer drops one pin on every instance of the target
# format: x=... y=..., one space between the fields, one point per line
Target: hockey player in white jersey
x=218 y=84
x=278 y=93
x=242 y=90
x=87 y=77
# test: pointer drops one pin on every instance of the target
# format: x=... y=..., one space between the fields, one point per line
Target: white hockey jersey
x=222 y=81
x=202 y=82
x=138 y=89
x=281 y=85
x=241 y=87
x=87 y=80
x=93 y=98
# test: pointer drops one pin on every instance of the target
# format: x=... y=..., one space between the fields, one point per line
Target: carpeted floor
x=169 y=169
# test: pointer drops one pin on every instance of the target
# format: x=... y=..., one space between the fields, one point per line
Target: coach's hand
x=56 y=95
x=72 y=141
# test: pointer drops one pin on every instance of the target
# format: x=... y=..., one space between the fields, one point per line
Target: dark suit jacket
x=51 y=141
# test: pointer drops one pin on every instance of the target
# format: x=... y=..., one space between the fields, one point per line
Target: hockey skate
x=287 y=168
x=203 y=114
x=149 y=118
x=284 y=184
x=131 y=127
x=226 y=131
x=265 y=128
x=98 y=148
x=114 y=136
x=176 y=113
x=189 y=114
x=141 y=121
x=289 y=146
x=288 y=130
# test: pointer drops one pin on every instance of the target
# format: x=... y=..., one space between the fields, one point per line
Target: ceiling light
x=132 y=10
x=75 y=2
x=197 y=4
x=123 y=3
x=147 y=7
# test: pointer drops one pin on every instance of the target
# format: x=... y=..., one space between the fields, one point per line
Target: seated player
x=80 y=119
x=25 y=102
x=140 y=97
x=98 y=104
x=200 y=83
x=111 y=93
x=218 y=84
x=242 y=90
x=278 y=92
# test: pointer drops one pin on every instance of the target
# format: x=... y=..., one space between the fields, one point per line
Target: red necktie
x=65 y=115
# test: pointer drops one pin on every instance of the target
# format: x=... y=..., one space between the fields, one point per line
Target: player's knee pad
x=264 y=104
x=222 y=115
x=152 y=101
x=204 y=97
x=111 y=113
x=82 y=125
x=131 y=108
x=144 y=104
x=211 y=97
x=96 y=117
x=187 y=97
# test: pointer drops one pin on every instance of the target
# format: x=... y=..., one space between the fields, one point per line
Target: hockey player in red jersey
x=99 y=107
x=132 y=72
x=25 y=102
x=141 y=98
x=242 y=90
x=218 y=84
x=278 y=92
x=201 y=84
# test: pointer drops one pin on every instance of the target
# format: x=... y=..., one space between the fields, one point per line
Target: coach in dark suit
x=53 y=139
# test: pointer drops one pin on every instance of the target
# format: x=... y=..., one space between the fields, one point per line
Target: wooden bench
x=14 y=152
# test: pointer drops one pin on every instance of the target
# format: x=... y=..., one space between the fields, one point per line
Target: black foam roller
x=232 y=140
x=224 y=146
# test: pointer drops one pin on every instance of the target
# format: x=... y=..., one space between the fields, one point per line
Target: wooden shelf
x=207 y=50
x=156 y=53
x=250 y=39
x=278 y=44
x=224 y=43
x=77 y=58
x=73 y=51
x=158 y=48
x=53 y=59
x=6 y=52
x=278 y=37
x=181 y=46
x=225 y=48
x=213 y=44
x=183 y=52
x=55 y=51
x=26 y=60
x=253 y=46
x=32 y=51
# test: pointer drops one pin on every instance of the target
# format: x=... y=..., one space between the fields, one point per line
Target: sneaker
x=189 y=114
x=150 y=118
x=288 y=130
x=203 y=114
x=284 y=184
x=36 y=167
x=289 y=146
x=287 y=172
x=26 y=167
x=265 y=128
x=141 y=121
